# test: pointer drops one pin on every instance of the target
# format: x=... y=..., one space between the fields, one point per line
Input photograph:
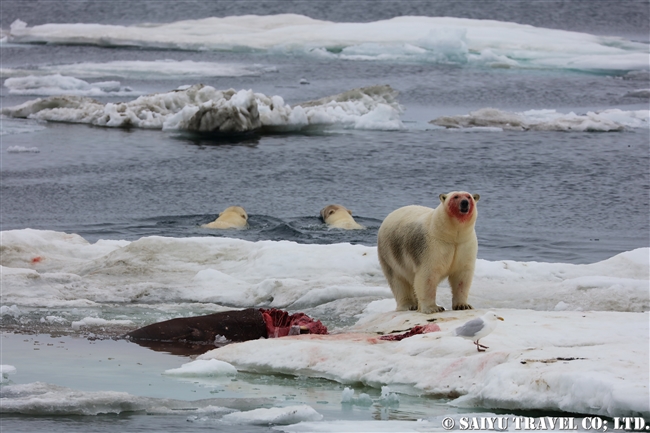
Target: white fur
x=340 y=217
x=234 y=217
x=419 y=247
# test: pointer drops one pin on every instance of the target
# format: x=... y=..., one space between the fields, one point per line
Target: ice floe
x=547 y=120
x=429 y=39
x=575 y=337
x=60 y=85
x=204 y=109
x=143 y=69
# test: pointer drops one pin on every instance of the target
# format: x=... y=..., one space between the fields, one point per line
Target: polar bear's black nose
x=464 y=206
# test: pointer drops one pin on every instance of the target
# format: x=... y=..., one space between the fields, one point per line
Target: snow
x=428 y=39
x=201 y=108
x=575 y=337
x=201 y=367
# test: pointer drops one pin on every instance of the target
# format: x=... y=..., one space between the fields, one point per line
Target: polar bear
x=418 y=247
x=335 y=215
x=233 y=217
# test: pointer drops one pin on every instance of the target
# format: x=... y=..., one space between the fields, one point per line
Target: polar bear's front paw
x=431 y=310
x=462 y=307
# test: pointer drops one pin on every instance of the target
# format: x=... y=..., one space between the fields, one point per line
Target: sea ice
x=5 y=372
x=548 y=120
x=201 y=367
x=575 y=337
x=57 y=84
x=426 y=39
x=274 y=415
x=579 y=357
x=201 y=108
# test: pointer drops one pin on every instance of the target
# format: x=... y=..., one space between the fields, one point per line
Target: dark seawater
x=546 y=196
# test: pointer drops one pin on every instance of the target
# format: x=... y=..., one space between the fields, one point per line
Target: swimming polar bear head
x=233 y=217
x=460 y=205
x=335 y=215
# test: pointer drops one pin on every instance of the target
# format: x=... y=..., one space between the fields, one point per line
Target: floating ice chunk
x=57 y=84
x=275 y=415
x=388 y=398
x=347 y=397
x=22 y=149
x=202 y=108
x=548 y=120
x=54 y=319
x=220 y=339
x=154 y=70
x=89 y=322
x=202 y=367
x=639 y=93
x=369 y=426
x=9 y=126
x=12 y=311
x=18 y=25
x=41 y=398
x=5 y=371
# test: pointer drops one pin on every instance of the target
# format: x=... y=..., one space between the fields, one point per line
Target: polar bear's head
x=335 y=215
x=235 y=211
x=335 y=212
x=460 y=205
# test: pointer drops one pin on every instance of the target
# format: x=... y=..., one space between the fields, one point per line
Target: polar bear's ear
x=443 y=197
x=349 y=211
x=476 y=197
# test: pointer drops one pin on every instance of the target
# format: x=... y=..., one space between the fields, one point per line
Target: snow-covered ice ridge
x=575 y=337
x=411 y=38
x=201 y=108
